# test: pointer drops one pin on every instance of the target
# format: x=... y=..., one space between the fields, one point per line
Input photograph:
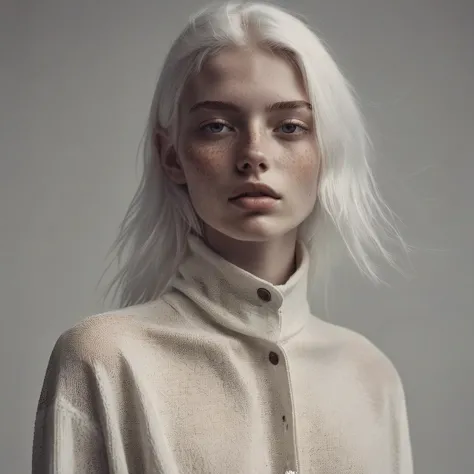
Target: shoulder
x=376 y=375
x=97 y=341
x=98 y=337
x=371 y=366
x=91 y=350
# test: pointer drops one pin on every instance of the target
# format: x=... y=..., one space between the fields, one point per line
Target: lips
x=252 y=195
x=255 y=189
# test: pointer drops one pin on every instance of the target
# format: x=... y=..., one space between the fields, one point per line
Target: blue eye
x=292 y=130
x=214 y=127
x=218 y=127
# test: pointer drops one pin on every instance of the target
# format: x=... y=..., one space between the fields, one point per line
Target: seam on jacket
x=65 y=405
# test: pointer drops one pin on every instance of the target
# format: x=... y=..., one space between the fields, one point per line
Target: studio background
x=76 y=84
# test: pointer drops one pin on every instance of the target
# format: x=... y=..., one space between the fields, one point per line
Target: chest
x=248 y=409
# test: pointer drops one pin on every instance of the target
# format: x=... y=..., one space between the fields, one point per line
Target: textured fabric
x=226 y=373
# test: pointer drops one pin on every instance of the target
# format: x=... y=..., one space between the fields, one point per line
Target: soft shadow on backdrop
x=76 y=84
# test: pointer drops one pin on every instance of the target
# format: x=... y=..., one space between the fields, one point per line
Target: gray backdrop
x=76 y=83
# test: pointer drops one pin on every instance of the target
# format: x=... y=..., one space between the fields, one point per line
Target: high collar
x=241 y=301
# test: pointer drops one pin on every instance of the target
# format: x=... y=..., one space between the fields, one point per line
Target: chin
x=255 y=231
x=252 y=237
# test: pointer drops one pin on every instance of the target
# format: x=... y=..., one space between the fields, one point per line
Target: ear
x=168 y=156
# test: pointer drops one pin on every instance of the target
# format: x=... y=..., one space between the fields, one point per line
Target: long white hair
x=349 y=212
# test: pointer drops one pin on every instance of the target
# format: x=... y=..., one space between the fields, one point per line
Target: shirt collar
x=241 y=301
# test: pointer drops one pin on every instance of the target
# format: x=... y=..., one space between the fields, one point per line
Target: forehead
x=252 y=76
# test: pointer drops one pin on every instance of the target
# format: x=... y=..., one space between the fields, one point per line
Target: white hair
x=349 y=212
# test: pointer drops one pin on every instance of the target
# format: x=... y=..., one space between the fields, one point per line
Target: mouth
x=255 y=190
x=254 y=195
x=255 y=203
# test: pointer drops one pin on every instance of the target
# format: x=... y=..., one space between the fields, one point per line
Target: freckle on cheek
x=307 y=167
x=206 y=164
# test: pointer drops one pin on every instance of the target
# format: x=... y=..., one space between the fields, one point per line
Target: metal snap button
x=264 y=294
x=273 y=358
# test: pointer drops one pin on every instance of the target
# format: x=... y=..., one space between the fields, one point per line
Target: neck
x=272 y=260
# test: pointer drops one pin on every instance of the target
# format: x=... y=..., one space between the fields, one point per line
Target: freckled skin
x=277 y=148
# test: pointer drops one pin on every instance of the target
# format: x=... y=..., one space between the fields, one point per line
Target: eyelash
x=290 y=122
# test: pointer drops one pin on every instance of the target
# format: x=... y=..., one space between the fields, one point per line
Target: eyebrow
x=219 y=105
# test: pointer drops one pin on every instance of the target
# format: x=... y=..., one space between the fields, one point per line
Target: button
x=273 y=358
x=264 y=294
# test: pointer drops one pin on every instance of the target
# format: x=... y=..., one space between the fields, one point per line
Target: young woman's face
x=222 y=146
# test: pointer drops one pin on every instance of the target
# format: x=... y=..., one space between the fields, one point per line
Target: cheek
x=305 y=171
x=203 y=162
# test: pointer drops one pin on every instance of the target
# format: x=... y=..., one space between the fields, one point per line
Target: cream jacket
x=224 y=374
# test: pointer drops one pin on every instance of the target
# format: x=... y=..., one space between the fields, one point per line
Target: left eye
x=292 y=127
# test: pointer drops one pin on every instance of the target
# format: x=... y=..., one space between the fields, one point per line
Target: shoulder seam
x=64 y=404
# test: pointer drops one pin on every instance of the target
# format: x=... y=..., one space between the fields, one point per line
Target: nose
x=253 y=152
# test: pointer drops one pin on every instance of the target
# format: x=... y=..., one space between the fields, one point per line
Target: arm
x=67 y=436
x=401 y=433
x=66 y=441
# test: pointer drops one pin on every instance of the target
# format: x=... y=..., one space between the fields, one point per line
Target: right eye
x=214 y=127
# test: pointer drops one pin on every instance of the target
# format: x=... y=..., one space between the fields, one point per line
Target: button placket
x=266 y=296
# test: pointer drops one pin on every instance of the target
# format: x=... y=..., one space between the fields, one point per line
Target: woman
x=255 y=168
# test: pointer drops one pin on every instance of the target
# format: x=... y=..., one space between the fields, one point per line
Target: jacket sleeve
x=65 y=441
x=67 y=436
x=401 y=434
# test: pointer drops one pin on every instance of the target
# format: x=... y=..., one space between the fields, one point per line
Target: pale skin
x=220 y=148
